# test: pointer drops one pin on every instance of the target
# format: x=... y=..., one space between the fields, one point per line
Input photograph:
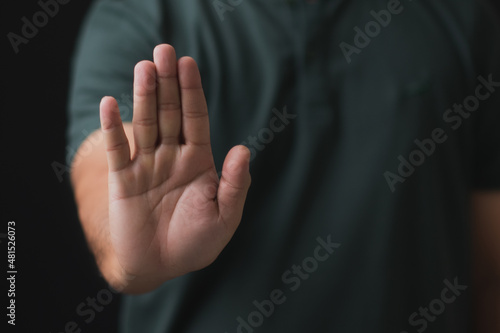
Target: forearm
x=89 y=178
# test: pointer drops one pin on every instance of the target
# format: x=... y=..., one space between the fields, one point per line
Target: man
x=373 y=142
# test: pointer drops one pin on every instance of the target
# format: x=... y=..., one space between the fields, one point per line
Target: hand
x=168 y=212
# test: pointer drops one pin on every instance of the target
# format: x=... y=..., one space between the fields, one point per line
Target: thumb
x=233 y=186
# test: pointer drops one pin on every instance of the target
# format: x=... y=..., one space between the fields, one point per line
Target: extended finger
x=145 y=120
x=168 y=98
x=195 y=126
x=115 y=140
x=233 y=186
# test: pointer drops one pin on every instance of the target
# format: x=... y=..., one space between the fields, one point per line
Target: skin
x=158 y=210
x=486 y=270
x=152 y=207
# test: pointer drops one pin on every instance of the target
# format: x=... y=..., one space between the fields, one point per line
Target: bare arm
x=149 y=199
x=486 y=227
x=89 y=178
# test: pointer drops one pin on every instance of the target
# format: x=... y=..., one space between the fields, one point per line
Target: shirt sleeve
x=115 y=36
x=486 y=47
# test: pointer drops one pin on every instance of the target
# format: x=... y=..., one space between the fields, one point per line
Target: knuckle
x=169 y=106
x=116 y=146
x=145 y=121
x=146 y=150
x=195 y=114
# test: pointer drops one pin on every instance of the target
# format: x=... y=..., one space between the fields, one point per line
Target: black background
x=56 y=272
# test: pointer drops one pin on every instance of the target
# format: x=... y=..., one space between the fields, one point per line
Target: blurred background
x=56 y=272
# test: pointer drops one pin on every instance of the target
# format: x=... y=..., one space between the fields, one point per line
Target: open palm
x=168 y=212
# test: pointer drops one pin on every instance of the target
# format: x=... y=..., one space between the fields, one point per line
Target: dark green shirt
x=370 y=122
